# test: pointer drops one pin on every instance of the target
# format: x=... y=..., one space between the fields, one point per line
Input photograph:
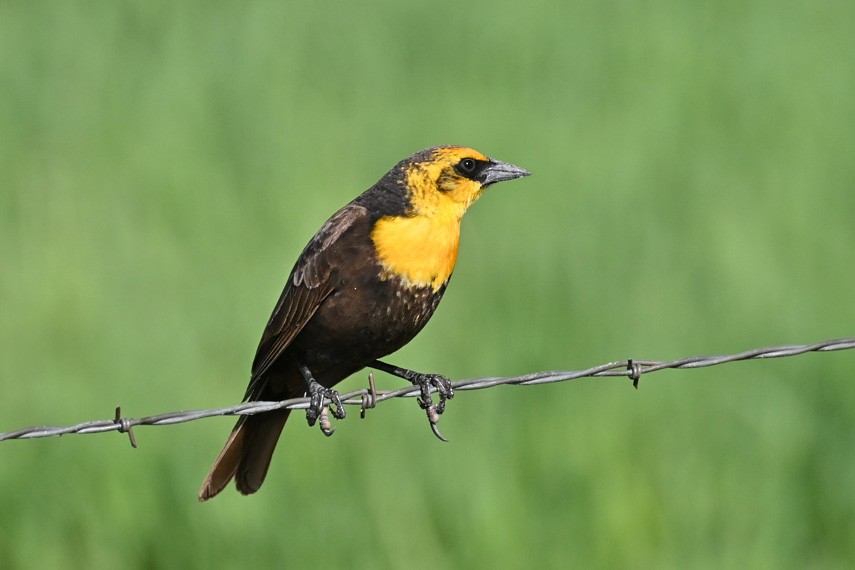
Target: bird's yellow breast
x=420 y=250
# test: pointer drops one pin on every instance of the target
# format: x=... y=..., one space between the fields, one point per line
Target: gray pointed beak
x=499 y=171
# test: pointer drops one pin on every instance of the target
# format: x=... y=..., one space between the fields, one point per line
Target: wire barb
x=368 y=398
x=125 y=426
x=634 y=369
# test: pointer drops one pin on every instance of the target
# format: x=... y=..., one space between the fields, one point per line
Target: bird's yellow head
x=419 y=246
x=446 y=180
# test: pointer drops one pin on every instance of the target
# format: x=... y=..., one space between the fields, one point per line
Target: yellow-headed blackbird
x=363 y=287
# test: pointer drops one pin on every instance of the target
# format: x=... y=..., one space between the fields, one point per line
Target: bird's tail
x=246 y=455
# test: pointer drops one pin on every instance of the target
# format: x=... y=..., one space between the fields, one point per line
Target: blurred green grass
x=162 y=164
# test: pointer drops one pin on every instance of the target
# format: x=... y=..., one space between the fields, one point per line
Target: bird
x=362 y=288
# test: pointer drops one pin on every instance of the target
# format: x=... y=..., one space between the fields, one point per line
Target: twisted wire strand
x=368 y=398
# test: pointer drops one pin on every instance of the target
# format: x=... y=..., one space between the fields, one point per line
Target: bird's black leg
x=425 y=382
x=317 y=395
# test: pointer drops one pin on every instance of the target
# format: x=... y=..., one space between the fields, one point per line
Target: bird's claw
x=319 y=408
x=326 y=427
x=443 y=387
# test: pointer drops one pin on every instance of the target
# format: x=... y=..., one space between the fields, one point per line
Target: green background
x=162 y=164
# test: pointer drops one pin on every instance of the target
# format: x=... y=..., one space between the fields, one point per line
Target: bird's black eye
x=467 y=165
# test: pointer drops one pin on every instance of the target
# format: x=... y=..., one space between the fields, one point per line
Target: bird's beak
x=499 y=171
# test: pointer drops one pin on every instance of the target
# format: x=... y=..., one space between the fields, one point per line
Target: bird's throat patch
x=419 y=250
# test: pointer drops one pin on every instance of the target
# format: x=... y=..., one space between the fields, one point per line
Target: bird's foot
x=426 y=383
x=319 y=400
x=442 y=386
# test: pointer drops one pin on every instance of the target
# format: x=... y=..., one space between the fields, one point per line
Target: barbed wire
x=370 y=397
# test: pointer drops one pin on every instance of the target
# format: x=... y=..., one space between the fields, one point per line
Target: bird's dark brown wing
x=313 y=279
